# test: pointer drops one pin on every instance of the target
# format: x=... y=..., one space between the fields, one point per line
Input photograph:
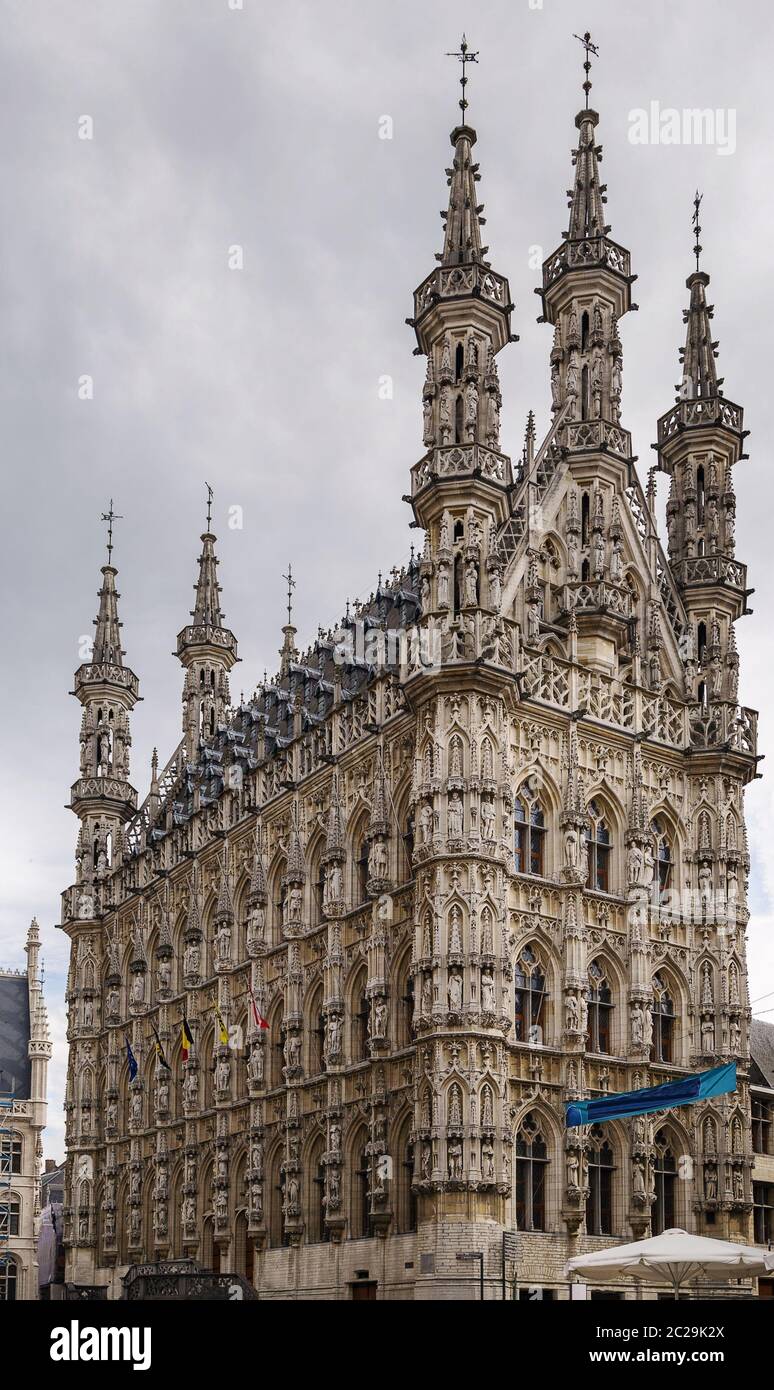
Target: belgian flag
x=160 y=1050
x=186 y=1041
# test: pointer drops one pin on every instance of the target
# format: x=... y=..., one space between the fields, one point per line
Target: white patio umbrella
x=675 y=1258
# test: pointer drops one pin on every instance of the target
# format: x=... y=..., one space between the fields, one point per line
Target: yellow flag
x=222 y=1030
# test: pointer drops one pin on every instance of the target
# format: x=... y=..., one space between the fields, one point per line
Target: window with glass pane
x=599 y=1204
x=663 y=1022
x=598 y=845
x=10 y=1153
x=530 y=997
x=531 y=1166
x=761 y=1126
x=763 y=1212
x=600 y=1010
x=8 y=1280
x=529 y=835
x=663 y=1218
x=664 y=865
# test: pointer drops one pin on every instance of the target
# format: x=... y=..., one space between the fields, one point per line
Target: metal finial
x=210 y=495
x=110 y=517
x=696 y=228
x=588 y=47
x=464 y=57
x=291 y=583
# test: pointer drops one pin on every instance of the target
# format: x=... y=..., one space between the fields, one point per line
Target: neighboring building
x=465 y=878
x=52 y=1183
x=51 y=1252
x=25 y=1050
x=762 y=1107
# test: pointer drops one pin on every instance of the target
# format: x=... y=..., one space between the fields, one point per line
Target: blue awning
x=687 y=1091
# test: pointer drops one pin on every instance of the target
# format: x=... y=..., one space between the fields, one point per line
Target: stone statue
x=222 y=1074
x=487 y=1160
x=455 y=991
x=138 y=988
x=334 y=1035
x=647 y=1028
x=191 y=958
x=571 y=1013
x=425 y=1161
x=488 y=992
x=223 y=943
x=164 y=976
x=471 y=584
x=255 y=1064
x=638 y=1178
x=487 y=820
x=710 y=1182
x=638 y=1025
x=443 y=585
x=136 y=1107
x=335 y=1137
x=573 y=1169
x=379 y=1016
x=455 y=816
x=426 y=822
x=455 y=1159
x=707 y=1034
x=377 y=860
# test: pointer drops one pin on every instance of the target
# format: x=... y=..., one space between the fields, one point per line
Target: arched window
x=9 y=1216
x=318 y=889
x=276 y=1035
x=664 y=865
x=665 y=1173
x=700 y=496
x=360 y=1018
x=316 y=1026
x=600 y=1010
x=362 y=873
x=701 y=643
x=9 y=1271
x=529 y=836
x=598 y=846
x=458 y=419
x=316 y=1229
x=407 y=1220
x=275 y=1199
x=530 y=997
x=408 y=844
x=599 y=1204
x=361 y=1201
x=531 y=1166
x=585 y=401
x=404 y=1020
x=459 y=362
x=585 y=507
x=663 y=1022
x=584 y=330
x=10 y=1153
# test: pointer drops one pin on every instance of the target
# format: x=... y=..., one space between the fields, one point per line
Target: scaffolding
x=6 y=1167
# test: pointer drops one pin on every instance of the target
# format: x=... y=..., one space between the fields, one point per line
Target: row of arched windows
x=536 y=1198
x=534 y=1024
x=530 y=857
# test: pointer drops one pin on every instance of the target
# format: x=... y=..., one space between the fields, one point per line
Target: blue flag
x=687 y=1091
x=130 y=1057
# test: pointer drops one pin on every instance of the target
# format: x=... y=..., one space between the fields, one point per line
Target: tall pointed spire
x=207 y=649
x=462 y=223
x=103 y=797
x=585 y=291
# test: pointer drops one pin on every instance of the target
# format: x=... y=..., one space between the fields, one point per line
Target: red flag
x=186 y=1040
x=258 y=1018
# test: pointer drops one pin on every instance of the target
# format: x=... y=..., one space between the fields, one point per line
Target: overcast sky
x=259 y=128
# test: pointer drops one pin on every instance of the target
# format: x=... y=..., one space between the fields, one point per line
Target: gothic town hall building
x=477 y=852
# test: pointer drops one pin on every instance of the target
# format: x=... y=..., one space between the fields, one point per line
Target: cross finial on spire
x=696 y=227
x=210 y=495
x=291 y=583
x=465 y=57
x=110 y=517
x=588 y=48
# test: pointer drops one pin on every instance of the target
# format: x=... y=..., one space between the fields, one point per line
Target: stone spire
x=207 y=650
x=585 y=291
x=462 y=320
x=103 y=797
x=107 y=637
x=700 y=440
x=463 y=221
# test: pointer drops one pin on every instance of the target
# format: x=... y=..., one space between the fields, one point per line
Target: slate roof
x=762 y=1051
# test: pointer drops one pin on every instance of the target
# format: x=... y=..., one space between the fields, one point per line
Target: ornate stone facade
x=477 y=852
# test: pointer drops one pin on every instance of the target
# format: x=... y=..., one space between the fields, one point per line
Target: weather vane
x=291 y=583
x=588 y=47
x=110 y=517
x=464 y=57
x=696 y=227
x=210 y=495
